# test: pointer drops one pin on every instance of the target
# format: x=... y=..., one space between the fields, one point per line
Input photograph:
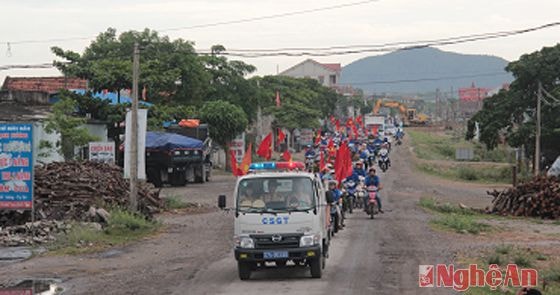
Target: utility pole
x=438 y=105
x=538 y=133
x=133 y=201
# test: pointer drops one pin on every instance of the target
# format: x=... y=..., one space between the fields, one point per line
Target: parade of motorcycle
x=369 y=152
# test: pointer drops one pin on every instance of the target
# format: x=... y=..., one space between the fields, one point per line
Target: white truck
x=377 y=121
x=280 y=219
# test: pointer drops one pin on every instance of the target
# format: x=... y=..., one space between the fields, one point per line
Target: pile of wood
x=539 y=197
x=67 y=191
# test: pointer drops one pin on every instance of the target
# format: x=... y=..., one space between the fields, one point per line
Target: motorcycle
x=360 y=195
x=372 y=201
x=384 y=162
x=309 y=162
x=349 y=196
x=335 y=218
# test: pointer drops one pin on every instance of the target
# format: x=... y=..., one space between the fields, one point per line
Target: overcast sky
x=371 y=23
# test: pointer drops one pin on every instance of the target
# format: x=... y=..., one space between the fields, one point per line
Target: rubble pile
x=38 y=232
x=67 y=191
x=539 y=197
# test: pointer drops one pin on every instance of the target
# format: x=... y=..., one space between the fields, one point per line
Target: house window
x=322 y=79
x=332 y=79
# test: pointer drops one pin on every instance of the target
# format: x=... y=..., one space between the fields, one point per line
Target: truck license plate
x=275 y=254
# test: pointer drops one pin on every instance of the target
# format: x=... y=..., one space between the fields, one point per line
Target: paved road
x=378 y=256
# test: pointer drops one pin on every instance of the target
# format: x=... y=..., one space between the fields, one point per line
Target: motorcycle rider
x=384 y=152
x=310 y=152
x=336 y=199
x=374 y=180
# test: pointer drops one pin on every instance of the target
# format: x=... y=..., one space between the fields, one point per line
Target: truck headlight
x=244 y=242
x=309 y=240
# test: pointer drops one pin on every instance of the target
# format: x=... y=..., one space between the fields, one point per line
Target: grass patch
x=524 y=258
x=123 y=227
x=455 y=218
x=433 y=205
x=495 y=259
x=431 y=146
x=504 y=250
x=464 y=172
x=553 y=274
x=438 y=146
x=461 y=223
x=174 y=202
x=556 y=222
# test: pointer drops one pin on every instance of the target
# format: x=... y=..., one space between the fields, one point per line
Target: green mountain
x=424 y=70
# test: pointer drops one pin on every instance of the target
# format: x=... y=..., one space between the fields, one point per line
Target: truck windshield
x=285 y=194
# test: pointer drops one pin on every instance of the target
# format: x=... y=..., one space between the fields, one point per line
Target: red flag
x=234 y=169
x=359 y=120
x=281 y=137
x=330 y=145
x=374 y=131
x=287 y=156
x=355 y=131
x=265 y=148
x=332 y=119
x=247 y=159
x=337 y=123
x=343 y=163
x=277 y=98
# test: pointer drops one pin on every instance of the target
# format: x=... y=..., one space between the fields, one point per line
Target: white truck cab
x=280 y=217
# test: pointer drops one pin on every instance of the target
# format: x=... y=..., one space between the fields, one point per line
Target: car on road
x=280 y=219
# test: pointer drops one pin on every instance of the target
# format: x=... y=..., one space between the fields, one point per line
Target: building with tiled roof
x=48 y=85
x=327 y=74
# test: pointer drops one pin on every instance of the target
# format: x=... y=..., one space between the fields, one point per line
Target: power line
x=208 y=25
x=272 y=16
x=327 y=51
x=35 y=66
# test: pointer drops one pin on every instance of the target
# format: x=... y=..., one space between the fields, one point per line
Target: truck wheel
x=155 y=178
x=244 y=269
x=281 y=263
x=316 y=267
x=199 y=176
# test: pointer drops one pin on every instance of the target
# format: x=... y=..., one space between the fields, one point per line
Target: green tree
x=70 y=127
x=226 y=121
x=511 y=114
x=168 y=69
x=228 y=82
x=303 y=101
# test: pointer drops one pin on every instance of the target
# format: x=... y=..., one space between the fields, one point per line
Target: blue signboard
x=16 y=166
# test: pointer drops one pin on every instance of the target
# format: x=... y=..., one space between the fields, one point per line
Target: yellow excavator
x=408 y=115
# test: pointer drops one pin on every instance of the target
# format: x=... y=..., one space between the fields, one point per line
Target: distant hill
x=422 y=69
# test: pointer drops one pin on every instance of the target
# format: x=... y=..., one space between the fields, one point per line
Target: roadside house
x=26 y=100
x=328 y=74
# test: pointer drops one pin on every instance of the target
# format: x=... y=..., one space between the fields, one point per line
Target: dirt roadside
x=193 y=254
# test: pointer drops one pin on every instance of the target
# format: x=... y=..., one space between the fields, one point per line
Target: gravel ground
x=193 y=255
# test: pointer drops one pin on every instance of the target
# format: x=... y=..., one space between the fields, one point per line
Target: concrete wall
x=25 y=97
x=52 y=155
